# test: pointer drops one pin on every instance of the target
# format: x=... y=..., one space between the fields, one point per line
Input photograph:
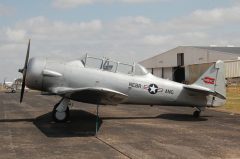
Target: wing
x=94 y=95
x=203 y=90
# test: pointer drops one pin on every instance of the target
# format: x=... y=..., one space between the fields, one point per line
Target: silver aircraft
x=102 y=81
x=12 y=86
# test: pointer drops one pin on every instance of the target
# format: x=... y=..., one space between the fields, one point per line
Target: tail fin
x=214 y=79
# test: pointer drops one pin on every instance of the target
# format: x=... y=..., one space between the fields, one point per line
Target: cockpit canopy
x=106 y=64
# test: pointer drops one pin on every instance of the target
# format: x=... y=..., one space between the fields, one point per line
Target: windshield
x=93 y=62
x=125 y=68
x=140 y=70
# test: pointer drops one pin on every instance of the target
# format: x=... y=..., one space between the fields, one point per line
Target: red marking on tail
x=208 y=80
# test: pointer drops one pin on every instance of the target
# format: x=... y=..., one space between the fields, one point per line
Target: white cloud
x=138 y=1
x=157 y=39
x=70 y=3
x=6 y=10
x=141 y=20
x=49 y=38
x=15 y=34
x=202 y=19
x=64 y=4
x=43 y=29
x=217 y=16
x=126 y=38
x=132 y=25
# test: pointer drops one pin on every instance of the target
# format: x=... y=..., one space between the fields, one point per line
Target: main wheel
x=196 y=114
x=60 y=116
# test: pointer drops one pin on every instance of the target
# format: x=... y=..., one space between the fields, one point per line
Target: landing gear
x=197 y=113
x=60 y=111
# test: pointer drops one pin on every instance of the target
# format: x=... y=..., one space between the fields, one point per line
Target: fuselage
x=8 y=84
x=141 y=89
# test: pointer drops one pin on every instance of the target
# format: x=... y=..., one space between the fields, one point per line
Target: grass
x=233 y=99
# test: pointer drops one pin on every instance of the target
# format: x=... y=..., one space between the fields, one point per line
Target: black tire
x=55 y=115
x=196 y=114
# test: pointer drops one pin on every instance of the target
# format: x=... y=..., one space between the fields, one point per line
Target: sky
x=125 y=30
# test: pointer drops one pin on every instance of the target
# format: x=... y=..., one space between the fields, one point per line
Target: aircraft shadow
x=182 y=117
x=16 y=120
x=126 y=118
x=169 y=116
x=81 y=124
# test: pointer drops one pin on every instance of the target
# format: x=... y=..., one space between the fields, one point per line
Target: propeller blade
x=24 y=72
x=23 y=86
x=27 y=56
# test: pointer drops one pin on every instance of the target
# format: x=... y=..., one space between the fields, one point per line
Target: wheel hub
x=60 y=115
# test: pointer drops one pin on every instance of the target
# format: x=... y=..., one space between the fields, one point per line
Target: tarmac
x=125 y=131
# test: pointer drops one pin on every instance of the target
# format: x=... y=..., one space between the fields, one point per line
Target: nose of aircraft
x=34 y=75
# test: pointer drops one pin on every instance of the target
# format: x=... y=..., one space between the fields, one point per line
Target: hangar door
x=179 y=71
x=179 y=74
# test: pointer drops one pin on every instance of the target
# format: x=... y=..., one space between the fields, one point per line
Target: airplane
x=12 y=86
x=103 y=81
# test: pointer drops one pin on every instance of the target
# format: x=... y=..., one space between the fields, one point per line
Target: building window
x=180 y=59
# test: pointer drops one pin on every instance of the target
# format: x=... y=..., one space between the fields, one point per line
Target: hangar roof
x=233 y=50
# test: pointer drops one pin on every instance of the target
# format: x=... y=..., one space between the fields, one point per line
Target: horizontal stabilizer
x=203 y=90
x=198 y=89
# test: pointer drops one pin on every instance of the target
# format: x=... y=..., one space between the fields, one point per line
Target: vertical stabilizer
x=214 y=79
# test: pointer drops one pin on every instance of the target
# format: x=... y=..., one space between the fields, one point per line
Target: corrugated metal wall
x=157 y=72
x=168 y=73
x=165 y=73
x=192 y=55
x=232 y=69
x=195 y=71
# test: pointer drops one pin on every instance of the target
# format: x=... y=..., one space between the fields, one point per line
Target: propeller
x=24 y=72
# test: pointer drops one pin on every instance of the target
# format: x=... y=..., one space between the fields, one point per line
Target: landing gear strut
x=60 y=111
x=97 y=121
